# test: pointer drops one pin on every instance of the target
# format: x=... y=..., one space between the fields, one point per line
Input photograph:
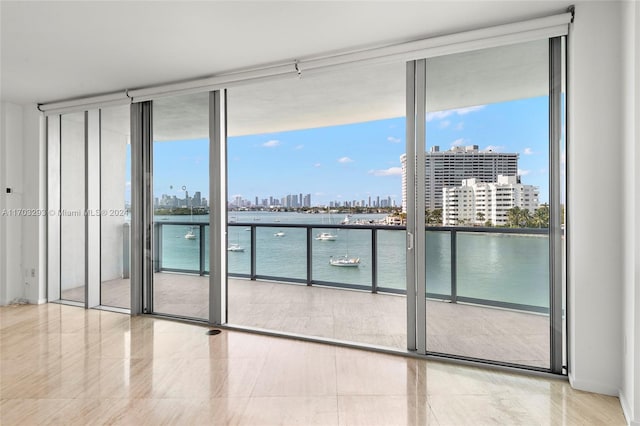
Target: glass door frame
x=416 y=102
x=142 y=231
x=91 y=209
x=416 y=106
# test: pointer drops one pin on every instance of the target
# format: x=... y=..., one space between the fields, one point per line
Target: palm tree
x=518 y=217
x=433 y=217
x=541 y=217
x=480 y=216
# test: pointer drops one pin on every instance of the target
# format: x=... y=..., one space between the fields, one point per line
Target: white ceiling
x=53 y=51
x=359 y=94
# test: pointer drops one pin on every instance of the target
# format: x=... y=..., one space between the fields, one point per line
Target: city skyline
x=355 y=161
x=300 y=200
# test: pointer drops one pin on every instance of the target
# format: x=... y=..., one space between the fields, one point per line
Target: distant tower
x=446 y=169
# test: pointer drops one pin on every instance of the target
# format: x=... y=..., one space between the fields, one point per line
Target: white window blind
x=517 y=32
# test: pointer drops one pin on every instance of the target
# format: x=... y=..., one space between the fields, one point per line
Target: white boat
x=190 y=235
x=235 y=247
x=279 y=234
x=326 y=236
x=344 y=261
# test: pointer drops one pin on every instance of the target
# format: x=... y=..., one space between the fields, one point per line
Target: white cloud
x=391 y=171
x=467 y=110
x=345 y=160
x=527 y=151
x=522 y=172
x=494 y=148
x=317 y=165
x=271 y=144
x=444 y=124
x=298 y=147
x=459 y=126
x=439 y=115
x=393 y=140
x=458 y=142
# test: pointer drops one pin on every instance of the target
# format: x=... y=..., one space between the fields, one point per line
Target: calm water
x=502 y=267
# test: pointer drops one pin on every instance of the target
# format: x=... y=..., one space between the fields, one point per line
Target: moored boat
x=326 y=236
x=344 y=261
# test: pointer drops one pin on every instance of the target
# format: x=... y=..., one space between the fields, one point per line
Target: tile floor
x=67 y=365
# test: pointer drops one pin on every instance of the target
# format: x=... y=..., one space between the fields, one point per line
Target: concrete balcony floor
x=351 y=316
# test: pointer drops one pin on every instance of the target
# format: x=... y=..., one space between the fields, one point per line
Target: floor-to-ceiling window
x=115 y=203
x=323 y=184
x=314 y=205
x=488 y=187
x=181 y=206
x=88 y=207
x=73 y=255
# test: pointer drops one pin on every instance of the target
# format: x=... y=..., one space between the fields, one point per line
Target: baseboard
x=595 y=387
x=626 y=408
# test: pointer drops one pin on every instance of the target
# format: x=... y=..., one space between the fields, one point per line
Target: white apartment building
x=476 y=202
x=445 y=169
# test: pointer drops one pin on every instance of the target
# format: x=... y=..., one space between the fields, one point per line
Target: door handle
x=409 y=241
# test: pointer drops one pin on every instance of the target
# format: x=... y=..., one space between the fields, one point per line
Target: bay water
x=511 y=268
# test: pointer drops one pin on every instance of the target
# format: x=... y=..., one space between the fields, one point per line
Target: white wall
x=3 y=200
x=3 y=224
x=635 y=324
x=604 y=165
x=12 y=137
x=595 y=154
x=20 y=161
x=630 y=386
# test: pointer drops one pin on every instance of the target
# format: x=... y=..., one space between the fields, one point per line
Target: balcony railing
x=458 y=262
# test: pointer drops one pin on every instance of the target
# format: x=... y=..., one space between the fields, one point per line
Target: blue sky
x=355 y=161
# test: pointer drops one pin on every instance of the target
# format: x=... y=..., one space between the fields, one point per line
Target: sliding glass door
x=452 y=242
x=315 y=229
x=487 y=195
x=115 y=207
x=73 y=198
x=180 y=206
x=88 y=207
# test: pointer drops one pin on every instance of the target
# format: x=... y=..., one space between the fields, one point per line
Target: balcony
x=286 y=284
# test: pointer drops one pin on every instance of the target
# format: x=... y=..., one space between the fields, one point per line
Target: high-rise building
x=197 y=199
x=445 y=169
x=477 y=202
